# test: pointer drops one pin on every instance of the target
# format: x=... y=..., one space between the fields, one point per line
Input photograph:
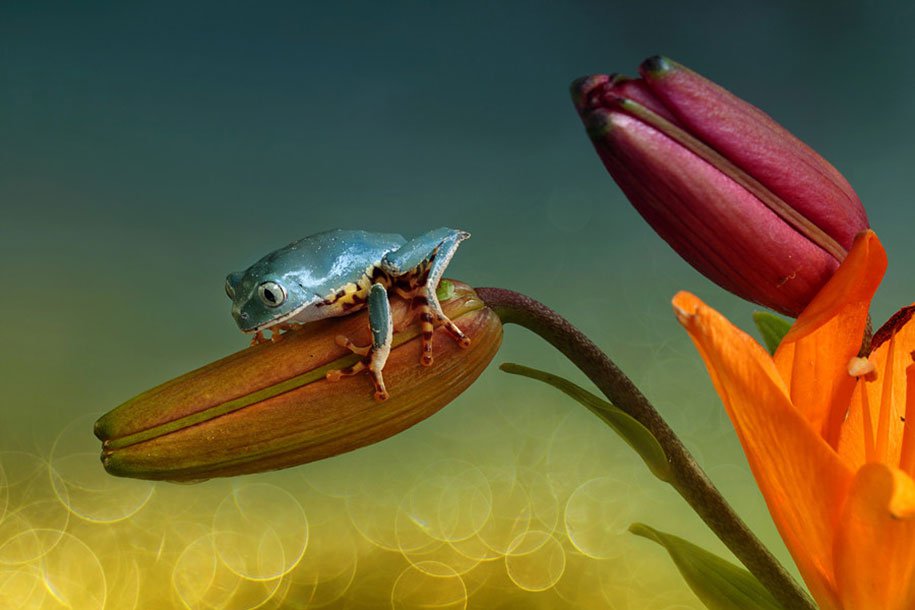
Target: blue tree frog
x=339 y=272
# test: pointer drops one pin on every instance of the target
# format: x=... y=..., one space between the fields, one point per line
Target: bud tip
x=581 y=87
x=99 y=430
x=598 y=123
x=656 y=65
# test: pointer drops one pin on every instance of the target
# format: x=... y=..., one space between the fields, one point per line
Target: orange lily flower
x=825 y=433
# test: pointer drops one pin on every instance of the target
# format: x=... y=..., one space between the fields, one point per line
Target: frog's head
x=261 y=298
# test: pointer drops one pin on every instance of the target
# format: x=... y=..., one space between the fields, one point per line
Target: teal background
x=148 y=149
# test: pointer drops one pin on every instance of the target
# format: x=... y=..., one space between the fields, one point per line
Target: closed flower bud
x=736 y=195
x=270 y=406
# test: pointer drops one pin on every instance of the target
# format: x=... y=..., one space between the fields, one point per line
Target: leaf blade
x=628 y=428
x=718 y=583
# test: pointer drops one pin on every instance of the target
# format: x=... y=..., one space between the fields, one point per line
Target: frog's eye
x=229 y=290
x=272 y=294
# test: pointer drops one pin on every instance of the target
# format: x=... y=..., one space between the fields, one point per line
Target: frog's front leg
x=277 y=331
x=258 y=337
x=382 y=327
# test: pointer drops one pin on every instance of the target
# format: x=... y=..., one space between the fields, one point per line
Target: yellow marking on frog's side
x=354 y=295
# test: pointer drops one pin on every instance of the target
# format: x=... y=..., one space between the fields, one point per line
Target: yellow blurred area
x=424 y=522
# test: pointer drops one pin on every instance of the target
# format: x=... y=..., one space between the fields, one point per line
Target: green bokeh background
x=148 y=149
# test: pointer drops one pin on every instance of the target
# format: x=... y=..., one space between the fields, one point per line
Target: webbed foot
x=277 y=331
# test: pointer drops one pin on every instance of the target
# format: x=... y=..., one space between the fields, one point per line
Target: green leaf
x=630 y=430
x=720 y=584
x=773 y=328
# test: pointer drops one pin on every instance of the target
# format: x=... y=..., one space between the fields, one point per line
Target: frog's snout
x=232 y=280
x=242 y=318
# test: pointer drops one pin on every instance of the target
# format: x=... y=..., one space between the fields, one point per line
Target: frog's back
x=324 y=262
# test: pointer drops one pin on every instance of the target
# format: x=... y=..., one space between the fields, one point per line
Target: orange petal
x=856 y=438
x=813 y=357
x=875 y=547
x=886 y=399
x=907 y=458
x=802 y=479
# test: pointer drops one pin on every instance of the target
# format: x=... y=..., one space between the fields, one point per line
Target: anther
x=862 y=367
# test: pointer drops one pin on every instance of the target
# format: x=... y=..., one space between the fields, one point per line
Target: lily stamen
x=862 y=367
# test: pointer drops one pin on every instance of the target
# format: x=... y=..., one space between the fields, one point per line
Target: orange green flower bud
x=270 y=406
x=735 y=194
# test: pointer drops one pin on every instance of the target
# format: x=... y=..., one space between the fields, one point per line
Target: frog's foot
x=278 y=330
x=259 y=338
x=371 y=361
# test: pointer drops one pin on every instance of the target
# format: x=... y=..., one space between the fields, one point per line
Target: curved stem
x=688 y=478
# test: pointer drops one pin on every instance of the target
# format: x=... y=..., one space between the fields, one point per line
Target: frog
x=340 y=272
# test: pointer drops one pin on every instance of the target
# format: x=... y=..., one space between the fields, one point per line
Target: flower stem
x=688 y=478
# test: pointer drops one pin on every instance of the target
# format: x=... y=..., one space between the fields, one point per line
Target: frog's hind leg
x=376 y=354
x=417 y=267
x=420 y=304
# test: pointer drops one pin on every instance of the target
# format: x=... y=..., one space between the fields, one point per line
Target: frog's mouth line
x=319 y=300
x=283 y=318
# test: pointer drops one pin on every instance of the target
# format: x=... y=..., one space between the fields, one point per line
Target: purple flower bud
x=742 y=200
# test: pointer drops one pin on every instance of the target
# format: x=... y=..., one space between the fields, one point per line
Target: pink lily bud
x=740 y=198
